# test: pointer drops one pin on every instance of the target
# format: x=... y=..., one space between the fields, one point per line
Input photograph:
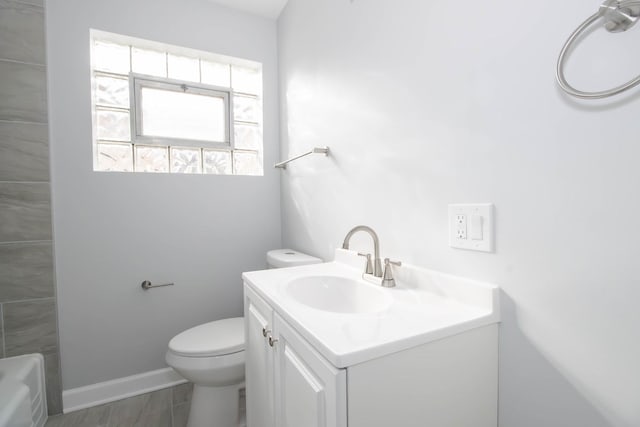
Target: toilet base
x=215 y=406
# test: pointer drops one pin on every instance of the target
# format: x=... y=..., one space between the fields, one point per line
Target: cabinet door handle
x=272 y=341
x=265 y=331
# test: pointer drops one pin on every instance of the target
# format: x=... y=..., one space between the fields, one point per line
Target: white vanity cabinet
x=288 y=383
x=427 y=359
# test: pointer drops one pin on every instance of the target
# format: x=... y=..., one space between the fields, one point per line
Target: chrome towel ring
x=618 y=16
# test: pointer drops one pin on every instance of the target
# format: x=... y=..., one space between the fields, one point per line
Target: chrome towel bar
x=316 y=150
x=618 y=16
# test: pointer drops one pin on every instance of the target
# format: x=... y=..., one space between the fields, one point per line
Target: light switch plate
x=479 y=226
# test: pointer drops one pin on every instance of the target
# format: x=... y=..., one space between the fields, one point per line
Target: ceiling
x=267 y=8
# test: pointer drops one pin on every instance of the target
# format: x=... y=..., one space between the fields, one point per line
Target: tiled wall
x=27 y=292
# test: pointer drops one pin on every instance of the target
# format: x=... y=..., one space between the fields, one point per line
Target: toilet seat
x=218 y=338
x=218 y=370
x=211 y=354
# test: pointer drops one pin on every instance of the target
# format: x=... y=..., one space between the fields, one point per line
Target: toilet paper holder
x=146 y=285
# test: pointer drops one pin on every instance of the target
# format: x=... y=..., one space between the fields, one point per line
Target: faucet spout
x=377 y=264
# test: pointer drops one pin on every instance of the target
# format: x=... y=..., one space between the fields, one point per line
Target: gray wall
x=426 y=103
x=27 y=290
x=114 y=230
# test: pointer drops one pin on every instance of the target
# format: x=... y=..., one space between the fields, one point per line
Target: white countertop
x=426 y=306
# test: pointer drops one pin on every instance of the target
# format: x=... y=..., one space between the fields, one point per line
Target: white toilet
x=211 y=356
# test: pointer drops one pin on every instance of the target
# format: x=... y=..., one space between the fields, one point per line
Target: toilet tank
x=280 y=258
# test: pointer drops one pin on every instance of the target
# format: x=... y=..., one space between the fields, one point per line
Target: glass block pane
x=110 y=57
x=217 y=162
x=149 y=62
x=113 y=125
x=183 y=68
x=247 y=163
x=186 y=160
x=246 y=80
x=115 y=157
x=182 y=115
x=152 y=159
x=247 y=109
x=214 y=73
x=112 y=92
x=248 y=137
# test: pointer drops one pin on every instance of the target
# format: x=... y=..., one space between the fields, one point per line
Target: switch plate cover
x=478 y=225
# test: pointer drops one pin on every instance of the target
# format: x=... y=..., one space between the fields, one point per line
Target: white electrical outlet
x=461 y=227
x=471 y=226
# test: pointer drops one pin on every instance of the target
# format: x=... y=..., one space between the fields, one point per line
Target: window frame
x=138 y=81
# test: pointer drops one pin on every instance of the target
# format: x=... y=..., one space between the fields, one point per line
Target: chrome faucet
x=377 y=264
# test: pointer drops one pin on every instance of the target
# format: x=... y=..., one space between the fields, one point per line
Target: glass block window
x=166 y=109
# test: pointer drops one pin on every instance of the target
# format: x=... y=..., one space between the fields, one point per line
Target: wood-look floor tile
x=182 y=393
x=181 y=414
x=140 y=408
x=97 y=416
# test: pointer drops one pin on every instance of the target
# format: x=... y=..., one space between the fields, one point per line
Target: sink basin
x=338 y=294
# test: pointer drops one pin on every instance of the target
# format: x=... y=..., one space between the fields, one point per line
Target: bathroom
x=422 y=104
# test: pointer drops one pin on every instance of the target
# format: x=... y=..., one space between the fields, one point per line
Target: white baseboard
x=109 y=391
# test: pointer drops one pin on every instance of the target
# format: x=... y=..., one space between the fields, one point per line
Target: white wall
x=426 y=103
x=112 y=230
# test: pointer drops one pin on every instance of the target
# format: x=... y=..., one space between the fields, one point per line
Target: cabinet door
x=309 y=392
x=258 y=360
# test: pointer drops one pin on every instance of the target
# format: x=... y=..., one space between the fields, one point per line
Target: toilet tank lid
x=289 y=258
x=217 y=338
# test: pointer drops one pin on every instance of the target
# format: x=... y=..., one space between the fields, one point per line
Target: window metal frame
x=138 y=81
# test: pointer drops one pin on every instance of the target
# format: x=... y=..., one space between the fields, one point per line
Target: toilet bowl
x=211 y=356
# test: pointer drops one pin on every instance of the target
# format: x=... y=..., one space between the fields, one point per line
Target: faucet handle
x=368 y=267
x=387 y=261
x=387 y=278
